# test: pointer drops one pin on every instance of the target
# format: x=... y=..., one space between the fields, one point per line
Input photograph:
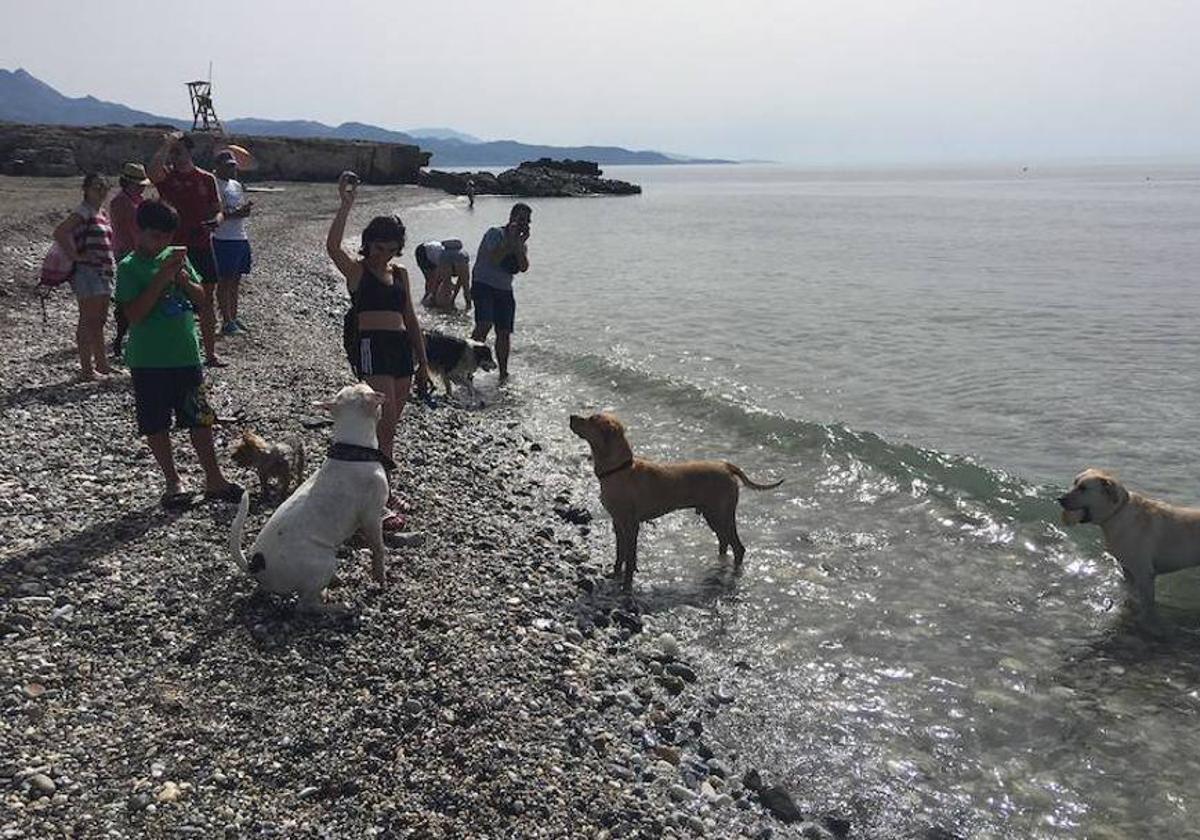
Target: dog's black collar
x=351 y=452
x=624 y=465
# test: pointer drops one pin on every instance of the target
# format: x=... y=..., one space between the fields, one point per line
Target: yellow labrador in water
x=634 y=490
x=1147 y=537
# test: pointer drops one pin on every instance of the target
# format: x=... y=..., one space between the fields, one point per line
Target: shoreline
x=495 y=688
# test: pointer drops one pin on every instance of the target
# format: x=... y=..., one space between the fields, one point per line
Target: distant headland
x=28 y=100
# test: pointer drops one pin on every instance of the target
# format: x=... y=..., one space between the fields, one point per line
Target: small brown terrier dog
x=634 y=490
x=280 y=461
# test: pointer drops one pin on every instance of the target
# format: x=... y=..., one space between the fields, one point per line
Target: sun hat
x=240 y=154
x=134 y=173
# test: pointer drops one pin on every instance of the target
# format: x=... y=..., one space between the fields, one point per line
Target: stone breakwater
x=498 y=687
x=50 y=150
x=542 y=178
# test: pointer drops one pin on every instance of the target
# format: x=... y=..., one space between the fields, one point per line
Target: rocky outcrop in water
x=49 y=150
x=543 y=178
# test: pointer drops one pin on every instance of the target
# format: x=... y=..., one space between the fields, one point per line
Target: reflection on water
x=913 y=638
x=905 y=650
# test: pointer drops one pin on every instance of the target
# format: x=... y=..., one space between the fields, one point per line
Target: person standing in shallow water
x=382 y=336
x=502 y=254
x=86 y=237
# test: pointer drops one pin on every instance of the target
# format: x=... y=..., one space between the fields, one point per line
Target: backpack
x=57 y=267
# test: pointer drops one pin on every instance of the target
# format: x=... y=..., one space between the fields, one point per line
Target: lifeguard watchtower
x=204 y=116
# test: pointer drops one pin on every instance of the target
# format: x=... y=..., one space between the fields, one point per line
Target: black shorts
x=494 y=306
x=383 y=353
x=423 y=262
x=157 y=392
x=205 y=262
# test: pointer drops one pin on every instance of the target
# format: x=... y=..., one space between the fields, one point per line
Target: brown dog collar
x=624 y=465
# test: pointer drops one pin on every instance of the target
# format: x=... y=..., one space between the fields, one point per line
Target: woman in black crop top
x=382 y=334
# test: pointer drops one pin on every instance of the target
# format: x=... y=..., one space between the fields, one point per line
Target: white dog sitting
x=296 y=551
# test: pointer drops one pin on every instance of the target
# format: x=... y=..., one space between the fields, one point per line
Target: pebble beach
x=498 y=686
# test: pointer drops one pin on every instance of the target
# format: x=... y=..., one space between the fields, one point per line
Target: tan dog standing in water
x=634 y=490
x=1147 y=537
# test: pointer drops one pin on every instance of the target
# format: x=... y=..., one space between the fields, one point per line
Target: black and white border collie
x=455 y=360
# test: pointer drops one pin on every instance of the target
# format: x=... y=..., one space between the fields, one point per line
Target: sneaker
x=230 y=328
x=231 y=493
x=241 y=327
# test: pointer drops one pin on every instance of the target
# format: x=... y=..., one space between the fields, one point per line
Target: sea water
x=927 y=358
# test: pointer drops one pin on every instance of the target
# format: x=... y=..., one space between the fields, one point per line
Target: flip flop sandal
x=398 y=505
x=232 y=494
x=394 y=522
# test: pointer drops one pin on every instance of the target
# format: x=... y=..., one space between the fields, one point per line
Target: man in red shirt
x=192 y=191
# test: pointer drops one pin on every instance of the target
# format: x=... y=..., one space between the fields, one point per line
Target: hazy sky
x=837 y=81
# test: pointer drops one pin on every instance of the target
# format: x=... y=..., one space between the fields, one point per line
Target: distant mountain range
x=26 y=99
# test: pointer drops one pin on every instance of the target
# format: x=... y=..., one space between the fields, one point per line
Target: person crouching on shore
x=158 y=287
x=85 y=237
x=447 y=269
x=381 y=333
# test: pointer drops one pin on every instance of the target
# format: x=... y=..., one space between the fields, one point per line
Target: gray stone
x=41 y=785
x=779 y=802
x=678 y=669
x=718 y=768
x=680 y=793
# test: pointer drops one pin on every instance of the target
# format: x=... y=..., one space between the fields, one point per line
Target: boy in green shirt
x=156 y=288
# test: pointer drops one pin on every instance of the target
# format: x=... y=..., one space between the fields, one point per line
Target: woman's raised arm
x=346 y=264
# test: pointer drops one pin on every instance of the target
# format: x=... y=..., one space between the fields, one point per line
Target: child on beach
x=86 y=237
x=158 y=288
x=231 y=245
